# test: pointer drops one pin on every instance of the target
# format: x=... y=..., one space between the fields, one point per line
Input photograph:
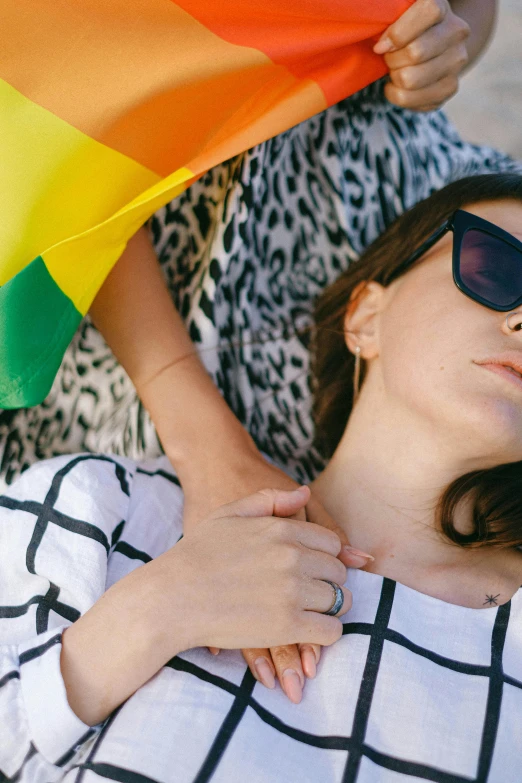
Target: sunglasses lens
x=491 y=268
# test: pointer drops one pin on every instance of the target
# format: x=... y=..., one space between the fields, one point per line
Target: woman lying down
x=418 y=400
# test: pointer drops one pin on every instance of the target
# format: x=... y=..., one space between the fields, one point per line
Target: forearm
x=198 y=430
x=120 y=643
x=481 y=18
x=137 y=317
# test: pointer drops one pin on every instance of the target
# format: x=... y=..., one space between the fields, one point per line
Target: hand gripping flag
x=111 y=108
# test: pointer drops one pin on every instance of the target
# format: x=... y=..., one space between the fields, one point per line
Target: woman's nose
x=513 y=322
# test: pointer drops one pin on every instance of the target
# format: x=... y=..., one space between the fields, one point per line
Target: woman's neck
x=383 y=485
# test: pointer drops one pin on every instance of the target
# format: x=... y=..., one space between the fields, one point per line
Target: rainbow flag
x=111 y=108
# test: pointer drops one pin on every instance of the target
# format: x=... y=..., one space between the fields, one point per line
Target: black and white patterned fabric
x=245 y=252
x=416 y=689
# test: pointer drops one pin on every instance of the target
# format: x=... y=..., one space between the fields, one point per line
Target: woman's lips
x=505 y=372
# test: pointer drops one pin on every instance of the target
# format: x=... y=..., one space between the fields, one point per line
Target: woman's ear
x=361 y=321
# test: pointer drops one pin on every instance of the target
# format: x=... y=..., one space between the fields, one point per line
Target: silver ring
x=338 y=598
x=514 y=328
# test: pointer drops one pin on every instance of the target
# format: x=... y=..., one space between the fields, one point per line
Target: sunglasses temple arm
x=438 y=234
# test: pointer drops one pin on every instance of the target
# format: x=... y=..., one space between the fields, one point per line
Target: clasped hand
x=266 y=565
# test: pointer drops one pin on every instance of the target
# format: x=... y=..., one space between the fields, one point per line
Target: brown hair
x=497 y=507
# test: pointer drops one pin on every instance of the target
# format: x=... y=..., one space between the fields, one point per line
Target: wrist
x=227 y=449
x=168 y=599
x=155 y=597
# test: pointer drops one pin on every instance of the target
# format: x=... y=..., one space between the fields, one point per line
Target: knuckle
x=463 y=28
x=435 y=10
x=405 y=78
x=290 y=558
x=462 y=57
x=415 y=51
x=394 y=38
x=400 y=98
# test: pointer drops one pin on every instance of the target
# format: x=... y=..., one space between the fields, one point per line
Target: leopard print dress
x=245 y=251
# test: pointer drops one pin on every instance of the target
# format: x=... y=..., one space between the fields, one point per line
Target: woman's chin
x=495 y=425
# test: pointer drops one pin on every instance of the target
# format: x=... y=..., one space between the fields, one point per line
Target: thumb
x=266 y=503
x=416 y=20
x=349 y=556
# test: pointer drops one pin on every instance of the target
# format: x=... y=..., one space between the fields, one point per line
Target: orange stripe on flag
x=141 y=76
x=329 y=41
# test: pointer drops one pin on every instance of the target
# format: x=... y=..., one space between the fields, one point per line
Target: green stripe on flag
x=37 y=323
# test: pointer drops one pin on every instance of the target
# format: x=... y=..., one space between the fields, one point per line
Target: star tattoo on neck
x=491 y=600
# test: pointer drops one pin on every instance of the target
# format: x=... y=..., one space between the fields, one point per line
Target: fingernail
x=264 y=672
x=350 y=550
x=308 y=661
x=214 y=650
x=300 y=490
x=292 y=685
x=383 y=46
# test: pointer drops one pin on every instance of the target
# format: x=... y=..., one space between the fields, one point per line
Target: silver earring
x=518 y=326
x=356 y=373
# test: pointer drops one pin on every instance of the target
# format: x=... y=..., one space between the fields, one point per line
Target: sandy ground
x=488 y=106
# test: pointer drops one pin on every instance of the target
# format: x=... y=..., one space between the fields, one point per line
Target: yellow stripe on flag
x=92 y=254
x=55 y=182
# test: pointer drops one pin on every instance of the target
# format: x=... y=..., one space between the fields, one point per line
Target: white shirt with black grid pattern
x=416 y=689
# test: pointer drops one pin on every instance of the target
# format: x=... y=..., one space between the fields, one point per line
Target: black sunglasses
x=487 y=261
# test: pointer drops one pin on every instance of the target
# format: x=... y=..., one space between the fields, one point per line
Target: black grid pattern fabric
x=416 y=689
